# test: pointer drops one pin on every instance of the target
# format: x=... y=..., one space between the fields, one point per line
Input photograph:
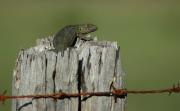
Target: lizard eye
x=80 y=28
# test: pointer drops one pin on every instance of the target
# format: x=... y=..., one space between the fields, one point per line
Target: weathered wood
x=90 y=66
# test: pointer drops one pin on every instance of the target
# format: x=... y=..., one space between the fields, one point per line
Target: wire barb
x=3 y=97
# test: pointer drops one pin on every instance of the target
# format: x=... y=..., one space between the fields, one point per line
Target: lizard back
x=64 y=38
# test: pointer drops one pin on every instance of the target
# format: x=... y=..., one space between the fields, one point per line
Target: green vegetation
x=148 y=33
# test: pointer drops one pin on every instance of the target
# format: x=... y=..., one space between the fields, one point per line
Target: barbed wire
x=117 y=93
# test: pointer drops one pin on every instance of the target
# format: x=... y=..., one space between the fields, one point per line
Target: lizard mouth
x=94 y=29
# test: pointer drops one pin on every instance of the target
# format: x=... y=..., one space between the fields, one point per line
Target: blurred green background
x=148 y=32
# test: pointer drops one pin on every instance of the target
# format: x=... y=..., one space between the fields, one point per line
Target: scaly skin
x=66 y=36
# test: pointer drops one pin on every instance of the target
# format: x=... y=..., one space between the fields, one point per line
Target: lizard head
x=86 y=28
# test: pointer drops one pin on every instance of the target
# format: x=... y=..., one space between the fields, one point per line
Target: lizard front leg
x=83 y=37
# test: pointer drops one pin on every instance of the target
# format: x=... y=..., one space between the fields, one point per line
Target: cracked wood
x=90 y=66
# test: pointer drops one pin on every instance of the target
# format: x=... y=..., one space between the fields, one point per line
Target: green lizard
x=67 y=36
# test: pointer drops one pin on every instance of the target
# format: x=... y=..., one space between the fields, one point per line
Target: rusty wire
x=118 y=93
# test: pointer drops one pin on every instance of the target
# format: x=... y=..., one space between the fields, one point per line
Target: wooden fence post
x=89 y=67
